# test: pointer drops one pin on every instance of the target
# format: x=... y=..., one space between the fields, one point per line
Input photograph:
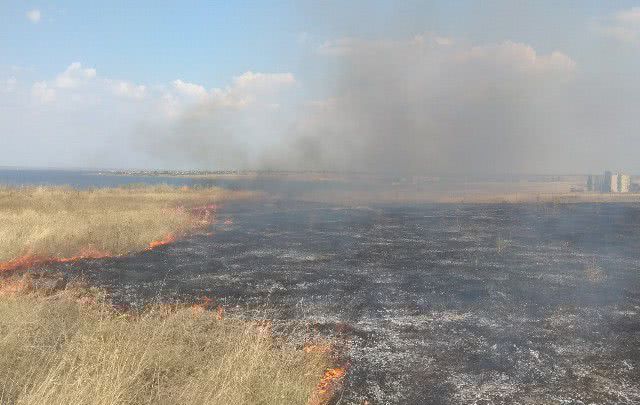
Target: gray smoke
x=427 y=105
x=422 y=105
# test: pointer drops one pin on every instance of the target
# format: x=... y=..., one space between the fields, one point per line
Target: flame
x=30 y=260
x=328 y=385
x=205 y=216
x=19 y=263
x=330 y=377
x=169 y=238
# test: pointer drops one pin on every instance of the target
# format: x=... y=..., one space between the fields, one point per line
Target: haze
x=470 y=87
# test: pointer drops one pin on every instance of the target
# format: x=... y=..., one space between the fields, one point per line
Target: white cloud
x=339 y=47
x=230 y=98
x=623 y=26
x=42 y=92
x=621 y=34
x=520 y=56
x=263 y=81
x=347 y=45
x=507 y=54
x=129 y=90
x=248 y=87
x=10 y=84
x=74 y=76
x=631 y=16
x=190 y=89
x=68 y=86
x=244 y=90
x=34 y=15
x=444 y=41
x=222 y=127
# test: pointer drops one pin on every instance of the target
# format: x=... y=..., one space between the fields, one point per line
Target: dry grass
x=57 y=222
x=70 y=348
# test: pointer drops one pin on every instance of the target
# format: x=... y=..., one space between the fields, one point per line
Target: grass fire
x=414 y=202
x=53 y=224
x=71 y=347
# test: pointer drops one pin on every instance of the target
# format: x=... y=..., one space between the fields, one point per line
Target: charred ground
x=437 y=303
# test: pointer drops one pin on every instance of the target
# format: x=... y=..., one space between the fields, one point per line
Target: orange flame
x=169 y=238
x=328 y=385
x=30 y=260
x=205 y=216
x=19 y=263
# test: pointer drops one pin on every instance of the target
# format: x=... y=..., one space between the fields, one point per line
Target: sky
x=421 y=87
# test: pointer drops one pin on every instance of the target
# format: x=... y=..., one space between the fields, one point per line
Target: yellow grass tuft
x=71 y=348
x=59 y=222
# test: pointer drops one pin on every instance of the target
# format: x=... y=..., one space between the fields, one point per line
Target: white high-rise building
x=616 y=182
x=624 y=182
x=609 y=183
x=613 y=182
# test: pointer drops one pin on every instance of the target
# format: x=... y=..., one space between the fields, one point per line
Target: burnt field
x=442 y=304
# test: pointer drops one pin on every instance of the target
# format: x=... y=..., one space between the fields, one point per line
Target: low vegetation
x=58 y=222
x=71 y=347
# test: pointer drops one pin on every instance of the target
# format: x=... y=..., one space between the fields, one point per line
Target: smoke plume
x=422 y=105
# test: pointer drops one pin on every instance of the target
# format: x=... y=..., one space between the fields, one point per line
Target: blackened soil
x=440 y=304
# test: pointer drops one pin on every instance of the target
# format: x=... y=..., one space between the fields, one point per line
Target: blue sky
x=209 y=42
x=151 y=41
x=142 y=48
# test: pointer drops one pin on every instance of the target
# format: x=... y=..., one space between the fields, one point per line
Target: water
x=80 y=178
x=84 y=179
x=437 y=304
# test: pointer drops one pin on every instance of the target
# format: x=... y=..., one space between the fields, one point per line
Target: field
x=505 y=302
x=71 y=347
x=435 y=303
x=61 y=223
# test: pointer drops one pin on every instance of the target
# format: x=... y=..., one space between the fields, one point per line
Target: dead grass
x=57 y=222
x=73 y=348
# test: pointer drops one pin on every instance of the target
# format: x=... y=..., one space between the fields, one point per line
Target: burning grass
x=58 y=224
x=71 y=347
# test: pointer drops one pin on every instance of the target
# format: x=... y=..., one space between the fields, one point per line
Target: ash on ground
x=438 y=304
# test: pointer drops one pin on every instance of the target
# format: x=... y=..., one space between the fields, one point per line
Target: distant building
x=598 y=183
x=609 y=183
x=606 y=183
x=613 y=183
x=624 y=182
